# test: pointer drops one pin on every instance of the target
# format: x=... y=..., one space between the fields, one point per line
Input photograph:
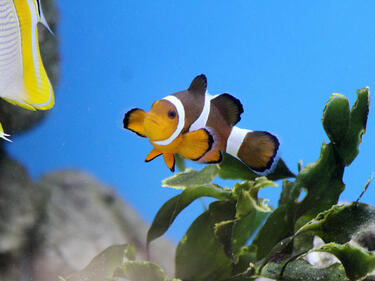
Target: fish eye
x=172 y=114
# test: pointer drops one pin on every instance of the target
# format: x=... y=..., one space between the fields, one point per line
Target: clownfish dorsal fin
x=230 y=108
x=199 y=85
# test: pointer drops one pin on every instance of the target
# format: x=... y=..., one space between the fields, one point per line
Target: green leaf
x=103 y=266
x=323 y=183
x=180 y=163
x=247 y=196
x=245 y=227
x=200 y=255
x=169 y=211
x=246 y=260
x=223 y=232
x=250 y=213
x=192 y=178
x=288 y=193
x=340 y=223
x=232 y=168
x=358 y=263
x=278 y=226
x=348 y=148
x=301 y=270
x=336 y=118
x=142 y=271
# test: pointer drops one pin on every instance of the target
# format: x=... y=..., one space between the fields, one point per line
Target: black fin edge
x=272 y=159
x=126 y=121
x=210 y=144
x=174 y=164
x=199 y=83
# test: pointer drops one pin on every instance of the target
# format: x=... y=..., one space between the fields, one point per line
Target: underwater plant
x=219 y=244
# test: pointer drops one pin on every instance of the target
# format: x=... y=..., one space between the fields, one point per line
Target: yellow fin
x=169 y=160
x=152 y=155
x=133 y=121
x=195 y=144
x=3 y=135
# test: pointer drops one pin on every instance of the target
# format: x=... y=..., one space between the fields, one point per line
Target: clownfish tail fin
x=257 y=149
x=133 y=121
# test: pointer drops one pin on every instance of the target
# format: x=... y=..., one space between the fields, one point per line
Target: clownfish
x=23 y=79
x=200 y=127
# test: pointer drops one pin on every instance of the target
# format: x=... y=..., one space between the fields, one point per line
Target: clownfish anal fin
x=169 y=160
x=230 y=108
x=133 y=121
x=195 y=144
x=199 y=85
x=152 y=155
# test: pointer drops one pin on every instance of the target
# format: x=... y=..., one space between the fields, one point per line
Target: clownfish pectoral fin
x=152 y=155
x=195 y=144
x=3 y=135
x=230 y=108
x=133 y=121
x=169 y=160
x=199 y=85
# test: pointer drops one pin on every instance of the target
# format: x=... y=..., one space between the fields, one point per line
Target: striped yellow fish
x=23 y=79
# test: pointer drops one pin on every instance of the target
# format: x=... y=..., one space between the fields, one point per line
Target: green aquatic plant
x=240 y=237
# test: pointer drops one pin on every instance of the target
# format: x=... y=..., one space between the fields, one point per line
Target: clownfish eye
x=172 y=114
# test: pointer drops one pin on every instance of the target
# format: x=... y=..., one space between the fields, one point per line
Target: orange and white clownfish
x=23 y=79
x=199 y=127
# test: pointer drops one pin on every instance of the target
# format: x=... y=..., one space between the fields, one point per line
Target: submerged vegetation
x=218 y=246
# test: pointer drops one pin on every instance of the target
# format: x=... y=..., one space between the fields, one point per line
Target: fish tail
x=257 y=149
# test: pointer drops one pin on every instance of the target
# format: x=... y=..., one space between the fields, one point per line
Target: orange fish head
x=161 y=121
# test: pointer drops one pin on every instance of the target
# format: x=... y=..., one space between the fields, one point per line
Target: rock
x=58 y=225
x=14 y=118
x=20 y=204
x=83 y=217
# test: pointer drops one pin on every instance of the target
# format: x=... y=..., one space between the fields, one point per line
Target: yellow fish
x=199 y=127
x=23 y=79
